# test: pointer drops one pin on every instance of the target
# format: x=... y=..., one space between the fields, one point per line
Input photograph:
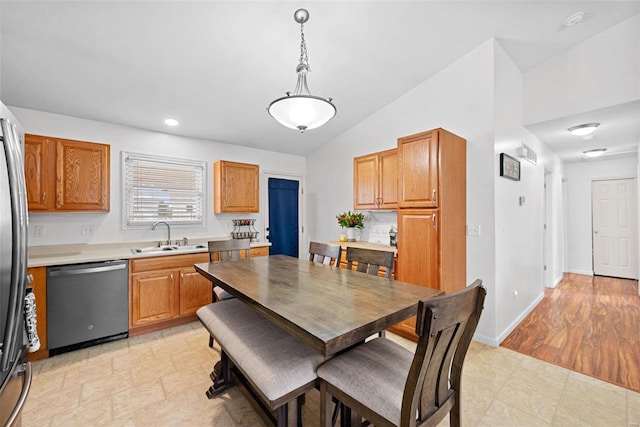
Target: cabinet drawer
x=166 y=262
x=259 y=251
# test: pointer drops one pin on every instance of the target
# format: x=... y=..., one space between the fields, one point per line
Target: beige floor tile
x=475 y=401
x=108 y=350
x=105 y=386
x=46 y=382
x=151 y=371
x=530 y=393
x=86 y=414
x=40 y=410
x=501 y=414
x=591 y=402
x=633 y=408
x=88 y=372
x=160 y=378
x=137 y=398
x=492 y=377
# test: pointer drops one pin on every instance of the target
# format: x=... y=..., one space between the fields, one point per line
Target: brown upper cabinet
x=375 y=180
x=65 y=175
x=418 y=165
x=236 y=187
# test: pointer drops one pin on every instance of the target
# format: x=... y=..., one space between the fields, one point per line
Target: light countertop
x=40 y=256
x=366 y=245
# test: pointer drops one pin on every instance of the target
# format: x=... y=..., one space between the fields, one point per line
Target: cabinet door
x=38 y=172
x=82 y=176
x=153 y=297
x=195 y=291
x=418 y=170
x=236 y=187
x=388 y=179
x=365 y=182
x=39 y=286
x=417 y=263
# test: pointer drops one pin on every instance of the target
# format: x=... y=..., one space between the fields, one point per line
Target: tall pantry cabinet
x=431 y=214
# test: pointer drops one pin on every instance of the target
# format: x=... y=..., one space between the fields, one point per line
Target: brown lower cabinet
x=166 y=291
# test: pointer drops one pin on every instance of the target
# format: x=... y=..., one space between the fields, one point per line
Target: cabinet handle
x=59 y=201
x=181 y=276
x=433 y=196
x=44 y=197
x=171 y=279
x=433 y=220
x=380 y=201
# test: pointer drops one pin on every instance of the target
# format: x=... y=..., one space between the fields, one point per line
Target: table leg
x=220 y=376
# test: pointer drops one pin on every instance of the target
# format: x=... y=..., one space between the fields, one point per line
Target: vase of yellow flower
x=351 y=221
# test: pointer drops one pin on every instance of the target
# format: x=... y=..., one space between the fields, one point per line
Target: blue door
x=283 y=216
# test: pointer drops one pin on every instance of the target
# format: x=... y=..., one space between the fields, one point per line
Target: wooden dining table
x=328 y=308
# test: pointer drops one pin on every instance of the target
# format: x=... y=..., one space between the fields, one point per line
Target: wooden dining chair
x=222 y=251
x=389 y=385
x=325 y=253
x=370 y=260
x=227 y=250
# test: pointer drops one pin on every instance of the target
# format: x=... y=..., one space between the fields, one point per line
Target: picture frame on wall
x=509 y=167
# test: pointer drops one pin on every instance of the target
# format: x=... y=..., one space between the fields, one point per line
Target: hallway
x=589 y=324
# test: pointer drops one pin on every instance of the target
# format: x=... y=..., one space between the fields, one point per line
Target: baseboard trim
x=585 y=272
x=491 y=342
x=519 y=319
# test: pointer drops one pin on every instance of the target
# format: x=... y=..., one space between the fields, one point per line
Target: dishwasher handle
x=69 y=272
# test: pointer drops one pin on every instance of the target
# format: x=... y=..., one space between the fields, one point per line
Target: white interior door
x=615 y=236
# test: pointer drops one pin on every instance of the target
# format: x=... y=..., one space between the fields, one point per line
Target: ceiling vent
x=527 y=153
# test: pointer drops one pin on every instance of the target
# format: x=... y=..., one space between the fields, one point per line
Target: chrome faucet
x=153 y=227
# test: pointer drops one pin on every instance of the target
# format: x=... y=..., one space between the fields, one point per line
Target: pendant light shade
x=300 y=110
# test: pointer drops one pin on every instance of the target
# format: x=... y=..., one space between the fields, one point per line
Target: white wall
x=459 y=99
x=64 y=228
x=520 y=227
x=579 y=177
x=519 y=251
x=598 y=73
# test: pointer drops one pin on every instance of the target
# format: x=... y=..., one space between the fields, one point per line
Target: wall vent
x=527 y=153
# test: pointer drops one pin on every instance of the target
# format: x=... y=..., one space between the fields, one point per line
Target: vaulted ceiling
x=216 y=65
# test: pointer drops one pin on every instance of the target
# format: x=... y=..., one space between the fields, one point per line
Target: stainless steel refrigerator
x=15 y=371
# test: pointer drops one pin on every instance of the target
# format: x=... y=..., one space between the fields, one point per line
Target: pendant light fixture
x=301 y=110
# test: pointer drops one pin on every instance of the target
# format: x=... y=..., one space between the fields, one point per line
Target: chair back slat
x=225 y=250
x=324 y=253
x=445 y=327
x=370 y=260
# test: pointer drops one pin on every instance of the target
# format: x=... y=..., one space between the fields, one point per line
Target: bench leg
x=220 y=376
x=290 y=414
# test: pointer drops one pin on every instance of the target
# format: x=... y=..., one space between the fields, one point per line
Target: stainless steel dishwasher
x=87 y=304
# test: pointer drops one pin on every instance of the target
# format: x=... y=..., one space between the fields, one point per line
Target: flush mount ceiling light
x=301 y=110
x=171 y=122
x=585 y=129
x=595 y=152
x=574 y=19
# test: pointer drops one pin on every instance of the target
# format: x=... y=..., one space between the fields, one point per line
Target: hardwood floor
x=589 y=324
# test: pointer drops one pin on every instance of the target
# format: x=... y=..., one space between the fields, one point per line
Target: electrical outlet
x=88 y=230
x=38 y=231
x=473 y=230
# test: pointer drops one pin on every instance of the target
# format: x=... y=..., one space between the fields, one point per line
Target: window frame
x=160 y=160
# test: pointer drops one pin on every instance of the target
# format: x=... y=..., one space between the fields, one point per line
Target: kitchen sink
x=165 y=248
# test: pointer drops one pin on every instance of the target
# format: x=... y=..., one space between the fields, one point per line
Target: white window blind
x=162 y=189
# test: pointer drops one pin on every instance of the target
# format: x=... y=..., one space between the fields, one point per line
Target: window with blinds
x=162 y=189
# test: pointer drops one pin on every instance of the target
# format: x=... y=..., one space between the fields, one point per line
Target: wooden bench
x=273 y=368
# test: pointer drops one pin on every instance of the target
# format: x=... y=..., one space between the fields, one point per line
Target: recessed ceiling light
x=595 y=152
x=171 y=122
x=574 y=19
x=585 y=129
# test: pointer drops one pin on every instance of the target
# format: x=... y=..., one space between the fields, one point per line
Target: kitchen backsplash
x=377 y=226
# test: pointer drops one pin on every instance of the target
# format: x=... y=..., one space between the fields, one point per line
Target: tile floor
x=159 y=379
